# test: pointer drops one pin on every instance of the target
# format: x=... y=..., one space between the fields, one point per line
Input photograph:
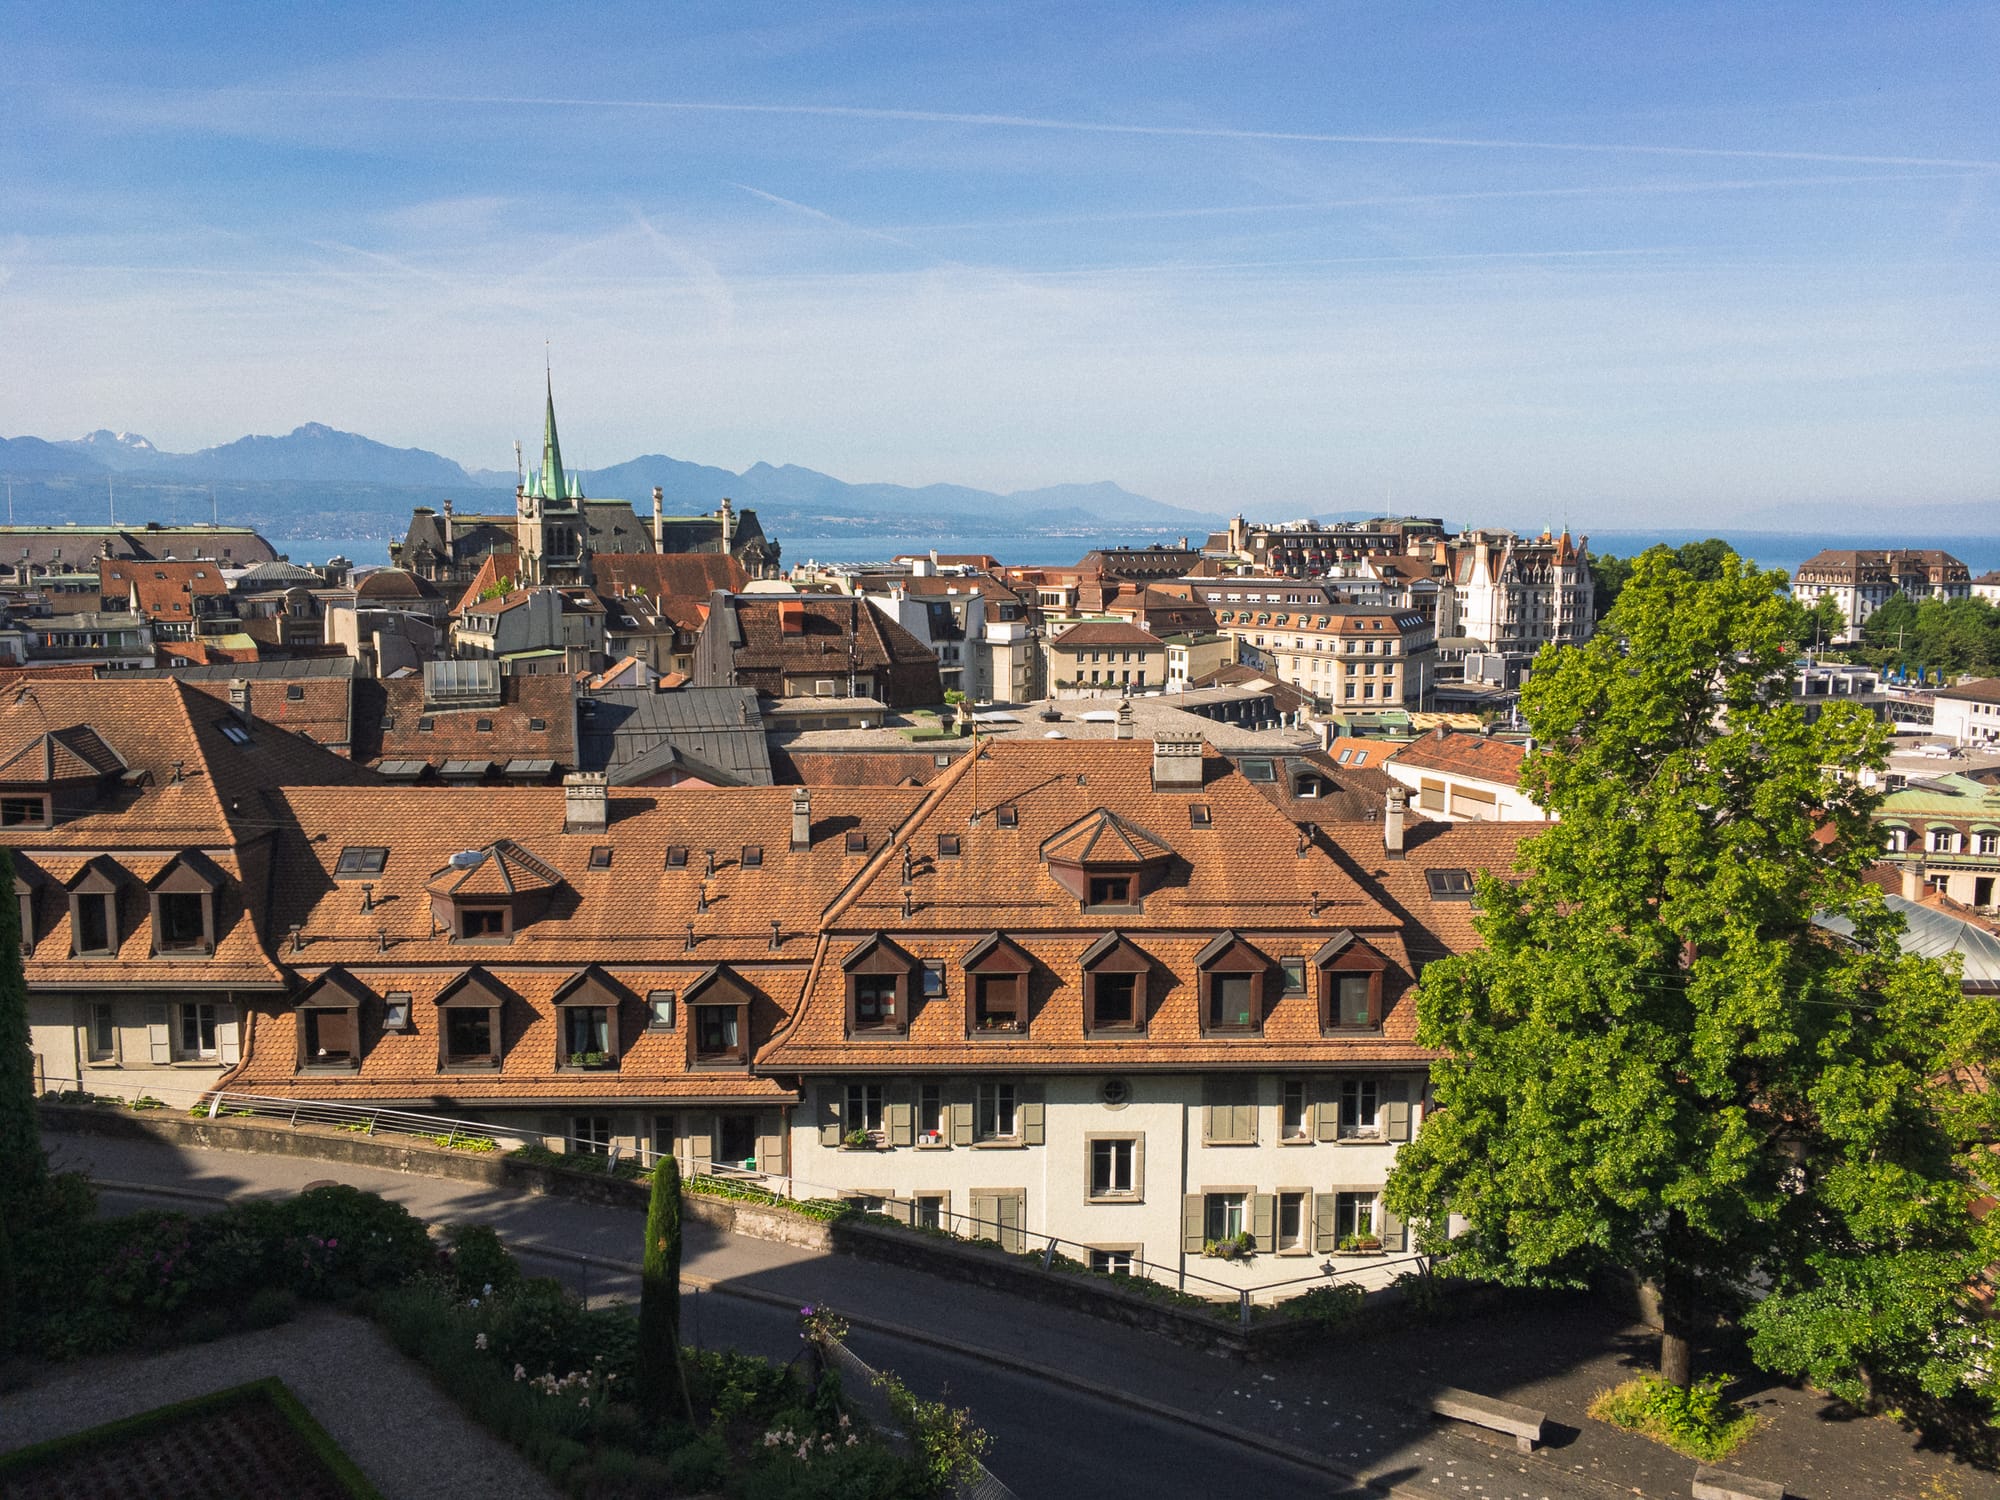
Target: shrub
x=1328 y=1306
x=947 y=1443
x=480 y=1264
x=346 y=1238
x=1693 y=1420
x=269 y=1306
x=700 y=1465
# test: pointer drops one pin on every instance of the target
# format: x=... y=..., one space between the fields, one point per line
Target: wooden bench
x=1518 y=1422
x=1720 y=1484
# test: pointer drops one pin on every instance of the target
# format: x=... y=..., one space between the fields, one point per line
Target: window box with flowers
x=862 y=1140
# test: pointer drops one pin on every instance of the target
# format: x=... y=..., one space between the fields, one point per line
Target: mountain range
x=314 y=467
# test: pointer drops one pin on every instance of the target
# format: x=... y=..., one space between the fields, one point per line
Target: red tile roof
x=1463 y=754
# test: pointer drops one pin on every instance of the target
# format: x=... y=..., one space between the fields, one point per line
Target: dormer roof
x=78 y=753
x=501 y=868
x=1102 y=837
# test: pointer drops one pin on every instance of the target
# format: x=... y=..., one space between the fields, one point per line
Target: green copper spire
x=550 y=486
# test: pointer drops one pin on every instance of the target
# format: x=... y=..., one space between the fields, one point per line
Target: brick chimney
x=1177 y=763
x=586 y=802
x=801 y=818
x=1392 y=822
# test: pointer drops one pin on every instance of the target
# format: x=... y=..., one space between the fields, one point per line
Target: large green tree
x=1658 y=1063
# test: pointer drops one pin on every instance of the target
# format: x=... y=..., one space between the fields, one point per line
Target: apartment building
x=1349 y=656
x=1518 y=595
x=1861 y=582
x=1107 y=656
x=1456 y=775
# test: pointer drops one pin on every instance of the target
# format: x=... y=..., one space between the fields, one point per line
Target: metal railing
x=779 y=1187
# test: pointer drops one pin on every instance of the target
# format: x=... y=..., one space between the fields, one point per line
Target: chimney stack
x=1124 y=729
x=1913 y=882
x=659 y=529
x=1177 y=763
x=801 y=818
x=586 y=802
x=239 y=699
x=1392 y=822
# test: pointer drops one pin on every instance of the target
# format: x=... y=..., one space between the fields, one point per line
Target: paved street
x=1356 y=1405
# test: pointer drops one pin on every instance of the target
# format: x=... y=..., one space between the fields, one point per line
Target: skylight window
x=677 y=857
x=600 y=856
x=236 y=734
x=361 y=859
x=1449 y=884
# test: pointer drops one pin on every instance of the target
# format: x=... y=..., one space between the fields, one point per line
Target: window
x=1200 y=815
x=483 y=726
x=857 y=842
x=330 y=1037
x=1295 y=1116
x=236 y=734
x=1230 y=1002
x=1114 y=1001
x=875 y=1001
x=753 y=856
x=1223 y=1216
x=1943 y=840
x=677 y=857
x=996 y=1003
x=590 y=1134
x=1351 y=999
x=1986 y=843
x=930 y=1114
x=482 y=922
x=1113 y=1167
x=600 y=856
x=1109 y=890
x=864 y=1107
x=1258 y=770
x=469 y=1037
x=23 y=812
x=295 y=692
x=947 y=846
x=1353 y=1217
x=197 y=1037
x=930 y=1211
x=103 y=1033
x=1008 y=816
x=995 y=1116
x=933 y=978
x=396 y=1011
x=1360 y=1107
x=360 y=859
x=586 y=1034
x=1294 y=970
x=1449 y=885
x=1292 y=1223
x=1111 y=1262
x=718 y=1032
x=94 y=924
x=660 y=1010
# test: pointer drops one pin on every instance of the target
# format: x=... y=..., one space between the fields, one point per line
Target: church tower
x=551 y=535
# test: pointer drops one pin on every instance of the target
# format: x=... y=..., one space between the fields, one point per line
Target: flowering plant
x=821 y=1326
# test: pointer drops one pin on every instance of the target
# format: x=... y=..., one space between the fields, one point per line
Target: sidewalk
x=1357 y=1406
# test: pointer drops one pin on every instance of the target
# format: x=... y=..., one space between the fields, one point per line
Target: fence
x=1375 y=1271
x=858 y=1384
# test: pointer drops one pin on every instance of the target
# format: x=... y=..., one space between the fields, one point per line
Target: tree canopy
x=1657 y=1063
x=1958 y=635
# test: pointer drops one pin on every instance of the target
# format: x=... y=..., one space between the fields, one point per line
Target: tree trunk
x=1677 y=1333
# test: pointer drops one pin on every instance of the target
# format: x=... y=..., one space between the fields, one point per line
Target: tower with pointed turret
x=552 y=534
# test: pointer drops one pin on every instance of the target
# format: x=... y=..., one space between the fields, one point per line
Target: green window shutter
x=228 y=1042
x=900 y=1116
x=984 y=1215
x=159 y=1034
x=1326 y=1111
x=1012 y=1212
x=1325 y=1221
x=1192 y=1239
x=829 y=1113
x=1245 y=1130
x=1393 y=1235
x=1033 y=1131
x=961 y=1122
x=1396 y=1109
x=1263 y=1220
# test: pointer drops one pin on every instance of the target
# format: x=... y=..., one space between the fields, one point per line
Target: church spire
x=551 y=486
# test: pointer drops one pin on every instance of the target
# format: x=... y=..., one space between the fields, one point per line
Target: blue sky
x=1631 y=264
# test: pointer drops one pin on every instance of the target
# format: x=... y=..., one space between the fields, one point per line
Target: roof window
x=236 y=734
x=753 y=856
x=1007 y=816
x=295 y=692
x=857 y=841
x=600 y=856
x=947 y=846
x=1449 y=884
x=483 y=726
x=677 y=857
x=1257 y=769
x=535 y=725
x=1200 y=815
x=360 y=859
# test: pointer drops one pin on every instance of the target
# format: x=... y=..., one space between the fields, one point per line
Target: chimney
x=239 y=699
x=801 y=818
x=1124 y=729
x=1392 y=822
x=1913 y=882
x=659 y=528
x=586 y=802
x=1177 y=763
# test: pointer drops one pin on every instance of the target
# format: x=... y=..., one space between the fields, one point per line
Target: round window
x=1116 y=1092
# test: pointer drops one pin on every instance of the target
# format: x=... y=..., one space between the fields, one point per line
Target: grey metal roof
x=278 y=669
x=716 y=727
x=1930 y=933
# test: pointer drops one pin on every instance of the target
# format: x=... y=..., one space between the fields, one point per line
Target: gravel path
x=406 y=1435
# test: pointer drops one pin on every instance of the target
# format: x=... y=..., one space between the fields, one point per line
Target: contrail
x=1098 y=127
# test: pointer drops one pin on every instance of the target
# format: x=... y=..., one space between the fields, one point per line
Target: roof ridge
x=939 y=789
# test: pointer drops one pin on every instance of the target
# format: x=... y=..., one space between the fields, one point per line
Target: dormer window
x=1106 y=862
x=478 y=924
x=328 y=1014
x=1109 y=890
x=1233 y=975
x=996 y=987
x=24 y=810
x=587 y=1008
x=1115 y=983
x=879 y=993
x=1352 y=977
x=93 y=910
x=470 y=1011
x=718 y=1005
x=487 y=895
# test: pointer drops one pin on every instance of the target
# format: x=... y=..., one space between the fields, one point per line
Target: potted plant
x=1361 y=1244
x=858 y=1139
x=1236 y=1247
x=590 y=1059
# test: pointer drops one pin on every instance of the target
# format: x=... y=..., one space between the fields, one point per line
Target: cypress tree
x=660 y=1380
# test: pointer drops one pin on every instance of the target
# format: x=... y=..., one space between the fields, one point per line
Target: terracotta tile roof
x=319 y=708
x=836 y=768
x=1472 y=755
x=812 y=635
x=1095 y=633
x=498 y=571
x=535 y=720
x=1342 y=794
x=161 y=590
x=668 y=575
x=1350 y=752
x=1435 y=927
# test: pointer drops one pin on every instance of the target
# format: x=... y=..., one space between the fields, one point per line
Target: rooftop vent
x=468 y=859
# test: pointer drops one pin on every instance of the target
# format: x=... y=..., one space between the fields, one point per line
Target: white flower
x=520 y=1372
x=473 y=1303
x=583 y=1401
x=487 y=1290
